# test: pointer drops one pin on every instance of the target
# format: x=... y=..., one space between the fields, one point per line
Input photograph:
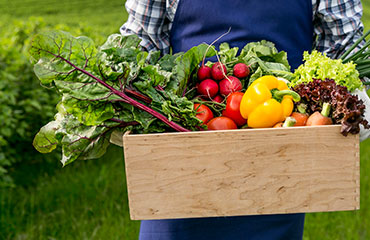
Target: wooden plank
x=241 y=172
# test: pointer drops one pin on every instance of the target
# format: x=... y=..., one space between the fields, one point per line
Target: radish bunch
x=216 y=83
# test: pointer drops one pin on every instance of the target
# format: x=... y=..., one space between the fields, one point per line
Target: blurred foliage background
x=24 y=104
x=86 y=200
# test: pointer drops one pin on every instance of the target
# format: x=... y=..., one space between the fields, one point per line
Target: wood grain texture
x=241 y=172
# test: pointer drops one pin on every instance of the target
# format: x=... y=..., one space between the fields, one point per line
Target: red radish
x=218 y=99
x=241 y=70
x=204 y=72
x=229 y=85
x=218 y=71
x=208 y=88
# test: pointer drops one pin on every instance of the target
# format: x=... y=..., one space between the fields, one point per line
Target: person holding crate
x=294 y=26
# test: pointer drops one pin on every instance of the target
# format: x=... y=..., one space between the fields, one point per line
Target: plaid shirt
x=337 y=23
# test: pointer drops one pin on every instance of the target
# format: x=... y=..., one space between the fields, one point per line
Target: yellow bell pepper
x=267 y=101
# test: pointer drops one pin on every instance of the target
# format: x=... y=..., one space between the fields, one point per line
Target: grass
x=352 y=225
x=106 y=16
x=88 y=199
x=366 y=16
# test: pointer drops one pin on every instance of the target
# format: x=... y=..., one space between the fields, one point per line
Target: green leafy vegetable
x=45 y=140
x=322 y=67
x=120 y=86
x=227 y=54
x=116 y=86
x=262 y=57
x=82 y=142
x=89 y=112
x=265 y=59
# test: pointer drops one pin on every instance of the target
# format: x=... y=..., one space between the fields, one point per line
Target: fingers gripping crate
x=241 y=172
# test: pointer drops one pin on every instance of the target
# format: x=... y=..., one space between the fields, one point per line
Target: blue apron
x=287 y=23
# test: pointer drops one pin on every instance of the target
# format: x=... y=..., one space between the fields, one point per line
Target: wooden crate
x=241 y=172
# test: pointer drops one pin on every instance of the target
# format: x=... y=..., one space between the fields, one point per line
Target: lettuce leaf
x=319 y=66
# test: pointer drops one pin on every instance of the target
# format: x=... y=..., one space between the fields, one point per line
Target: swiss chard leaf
x=155 y=76
x=45 y=140
x=97 y=85
x=184 y=66
x=89 y=112
x=180 y=109
x=82 y=142
x=83 y=91
x=56 y=53
x=120 y=57
x=146 y=123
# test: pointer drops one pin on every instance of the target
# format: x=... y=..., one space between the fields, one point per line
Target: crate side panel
x=243 y=172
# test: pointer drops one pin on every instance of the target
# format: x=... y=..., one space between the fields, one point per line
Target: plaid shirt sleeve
x=337 y=25
x=151 y=20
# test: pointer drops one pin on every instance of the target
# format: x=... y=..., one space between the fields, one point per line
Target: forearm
x=337 y=25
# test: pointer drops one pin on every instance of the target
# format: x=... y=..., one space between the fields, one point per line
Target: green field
x=88 y=199
x=366 y=16
x=107 y=16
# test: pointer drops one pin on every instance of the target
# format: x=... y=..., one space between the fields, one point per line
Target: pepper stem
x=279 y=94
x=326 y=107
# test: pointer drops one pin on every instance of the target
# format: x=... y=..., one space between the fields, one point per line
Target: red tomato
x=204 y=113
x=233 y=108
x=221 y=123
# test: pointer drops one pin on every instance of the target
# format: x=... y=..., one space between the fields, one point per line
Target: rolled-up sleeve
x=337 y=25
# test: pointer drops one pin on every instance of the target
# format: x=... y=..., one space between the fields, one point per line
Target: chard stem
x=138 y=95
